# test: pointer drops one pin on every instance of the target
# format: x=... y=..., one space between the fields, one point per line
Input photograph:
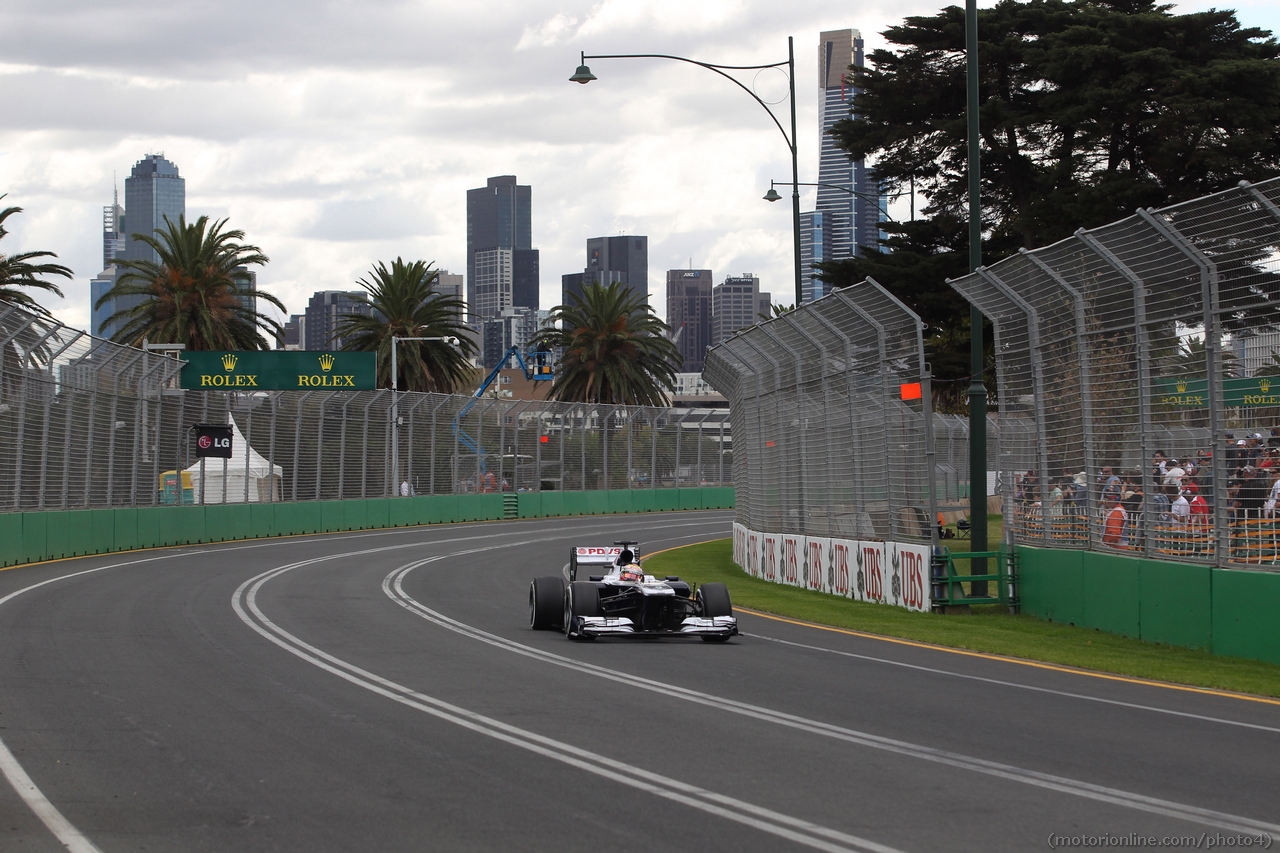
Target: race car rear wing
x=598 y=555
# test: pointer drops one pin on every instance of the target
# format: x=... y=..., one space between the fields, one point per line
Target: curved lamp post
x=772 y=194
x=584 y=75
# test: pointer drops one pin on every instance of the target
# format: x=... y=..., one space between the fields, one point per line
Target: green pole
x=977 y=390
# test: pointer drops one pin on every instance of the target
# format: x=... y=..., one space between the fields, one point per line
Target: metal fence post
x=1213 y=373
x=1086 y=389
x=1038 y=390
x=1143 y=358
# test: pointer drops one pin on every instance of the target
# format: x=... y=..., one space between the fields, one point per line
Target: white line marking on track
x=71 y=838
x=62 y=829
x=392 y=586
x=1031 y=687
x=775 y=823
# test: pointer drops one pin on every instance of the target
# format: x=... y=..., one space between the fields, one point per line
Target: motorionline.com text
x=1203 y=841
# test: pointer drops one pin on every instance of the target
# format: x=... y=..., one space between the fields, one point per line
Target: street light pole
x=583 y=75
x=977 y=389
x=395 y=403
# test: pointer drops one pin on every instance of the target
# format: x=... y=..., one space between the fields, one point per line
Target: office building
x=735 y=304
x=516 y=327
x=324 y=315
x=571 y=285
x=153 y=191
x=293 y=333
x=689 y=314
x=499 y=218
x=842 y=219
x=624 y=258
x=491 y=283
x=112 y=230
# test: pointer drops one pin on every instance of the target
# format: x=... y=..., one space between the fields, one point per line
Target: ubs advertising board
x=878 y=572
x=279 y=370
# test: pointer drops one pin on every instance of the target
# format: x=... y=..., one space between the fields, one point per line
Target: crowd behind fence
x=833 y=430
x=1142 y=355
x=89 y=423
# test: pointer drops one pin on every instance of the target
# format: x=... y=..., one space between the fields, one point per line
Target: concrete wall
x=1223 y=611
x=29 y=537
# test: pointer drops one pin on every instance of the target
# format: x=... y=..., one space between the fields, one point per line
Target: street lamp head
x=582 y=75
x=772 y=195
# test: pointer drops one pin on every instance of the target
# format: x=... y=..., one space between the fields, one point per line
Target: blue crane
x=540 y=371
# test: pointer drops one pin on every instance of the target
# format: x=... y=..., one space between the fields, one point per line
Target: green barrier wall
x=30 y=537
x=1224 y=611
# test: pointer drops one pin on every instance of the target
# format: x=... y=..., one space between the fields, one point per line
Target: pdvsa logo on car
x=599 y=552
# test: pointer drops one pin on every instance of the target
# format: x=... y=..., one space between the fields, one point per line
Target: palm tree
x=776 y=310
x=616 y=349
x=18 y=271
x=406 y=304
x=196 y=295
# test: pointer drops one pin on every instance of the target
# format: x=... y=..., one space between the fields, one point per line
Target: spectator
x=1173 y=473
x=1199 y=512
x=1160 y=505
x=1253 y=492
x=1110 y=486
x=1079 y=485
x=1180 y=509
x=1053 y=510
x=1158 y=462
x=1269 y=507
x=1133 y=510
x=1113 y=529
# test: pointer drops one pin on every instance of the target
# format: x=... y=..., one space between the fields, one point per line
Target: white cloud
x=342 y=133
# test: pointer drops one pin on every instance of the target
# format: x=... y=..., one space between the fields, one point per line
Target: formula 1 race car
x=624 y=601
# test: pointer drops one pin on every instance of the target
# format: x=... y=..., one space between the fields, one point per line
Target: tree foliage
x=406 y=304
x=194 y=295
x=1089 y=110
x=17 y=271
x=615 y=348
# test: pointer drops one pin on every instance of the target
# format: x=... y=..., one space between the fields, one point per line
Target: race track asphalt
x=381 y=691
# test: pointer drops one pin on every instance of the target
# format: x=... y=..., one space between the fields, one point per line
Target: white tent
x=245 y=477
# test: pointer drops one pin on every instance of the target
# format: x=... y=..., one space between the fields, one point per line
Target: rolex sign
x=279 y=370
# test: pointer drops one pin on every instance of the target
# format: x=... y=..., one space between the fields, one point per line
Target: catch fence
x=833 y=433
x=1143 y=356
x=89 y=423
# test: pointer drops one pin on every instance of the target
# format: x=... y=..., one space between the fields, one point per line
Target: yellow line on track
x=1090 y=673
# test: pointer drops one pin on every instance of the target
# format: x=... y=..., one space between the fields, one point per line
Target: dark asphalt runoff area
x=382 y=691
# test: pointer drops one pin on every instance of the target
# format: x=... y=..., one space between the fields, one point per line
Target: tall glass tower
x=153 y=191
x=841 y=221
x=498 y=217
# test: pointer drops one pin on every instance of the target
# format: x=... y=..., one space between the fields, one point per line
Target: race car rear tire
x=546 y=604
x=715 y=600
x=582 y=598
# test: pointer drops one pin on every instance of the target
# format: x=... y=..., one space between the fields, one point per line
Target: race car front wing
x=693 y=626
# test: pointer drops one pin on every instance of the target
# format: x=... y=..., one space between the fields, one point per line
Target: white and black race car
x=624 y=601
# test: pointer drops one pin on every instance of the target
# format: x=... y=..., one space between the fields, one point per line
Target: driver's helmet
x=631 y=573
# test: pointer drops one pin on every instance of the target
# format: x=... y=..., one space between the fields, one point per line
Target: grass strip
x=989 y=629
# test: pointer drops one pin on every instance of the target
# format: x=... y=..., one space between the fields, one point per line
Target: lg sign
x=213 y=440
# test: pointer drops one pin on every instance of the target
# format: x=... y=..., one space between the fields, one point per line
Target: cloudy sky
x=339 y=133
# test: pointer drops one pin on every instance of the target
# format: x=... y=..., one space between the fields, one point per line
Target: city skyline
x=332 y=160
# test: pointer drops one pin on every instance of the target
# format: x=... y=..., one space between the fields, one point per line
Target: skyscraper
x=689 y=314
x=499 y=217
x=849 y=219
x=622 y=258
x=324 y=313
x=153 y=191
x=735 y=304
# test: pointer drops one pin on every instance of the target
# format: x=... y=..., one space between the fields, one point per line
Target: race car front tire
x=546 y=604
x=582 y=598
x=715 y=600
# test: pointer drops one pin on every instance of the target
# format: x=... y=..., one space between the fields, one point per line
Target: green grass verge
x=990 y=628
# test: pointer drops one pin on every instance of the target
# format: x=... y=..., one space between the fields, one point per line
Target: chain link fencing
x=90 y=423
x=1140 y=357
x=833 y=431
